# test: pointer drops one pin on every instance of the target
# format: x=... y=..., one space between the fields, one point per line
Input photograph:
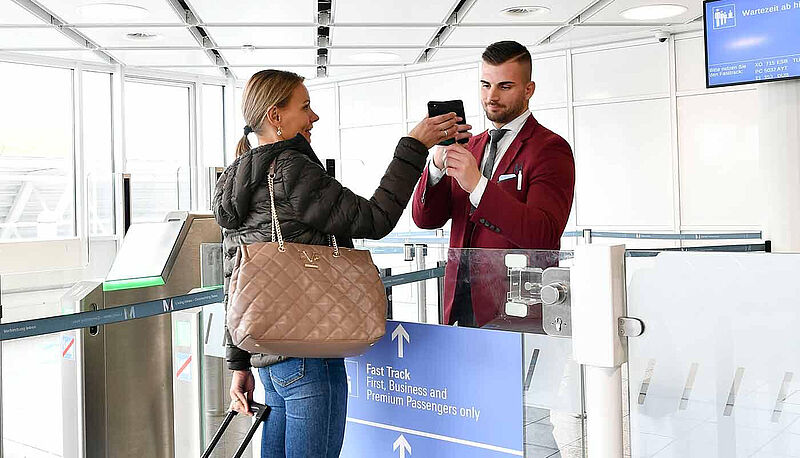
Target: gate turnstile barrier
x=138 y=381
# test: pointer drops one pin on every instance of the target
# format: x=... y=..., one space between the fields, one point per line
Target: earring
x=280 y=134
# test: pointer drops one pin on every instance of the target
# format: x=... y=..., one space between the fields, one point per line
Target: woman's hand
x=242 y=386
x=431 y=131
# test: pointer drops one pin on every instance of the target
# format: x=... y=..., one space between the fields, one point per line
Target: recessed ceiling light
x=106 y=10
x=524 y=11
x=651 y=12
x=142 y=36
x=375 y=56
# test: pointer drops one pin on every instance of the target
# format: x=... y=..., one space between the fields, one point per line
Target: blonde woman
x=307 y=396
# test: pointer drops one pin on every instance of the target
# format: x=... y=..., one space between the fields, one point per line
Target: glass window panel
x=238 y=124
x=371 y=103
x=323 y=136
x=212 y=136
x=366 y=152
x=448 y=85
x=157 y=149
x=37 y=179
x=98 y=152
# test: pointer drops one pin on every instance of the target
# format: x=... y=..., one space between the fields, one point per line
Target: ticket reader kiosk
x=137 y=382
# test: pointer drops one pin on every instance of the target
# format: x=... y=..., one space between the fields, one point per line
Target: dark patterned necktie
x=488 y=166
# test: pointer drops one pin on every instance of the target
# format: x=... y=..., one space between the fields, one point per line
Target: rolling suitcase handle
x=261 y=412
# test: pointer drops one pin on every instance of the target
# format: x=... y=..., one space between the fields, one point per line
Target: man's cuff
x=477 y=193
x=435 y=174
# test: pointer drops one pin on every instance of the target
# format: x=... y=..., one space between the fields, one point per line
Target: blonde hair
x=264 y=90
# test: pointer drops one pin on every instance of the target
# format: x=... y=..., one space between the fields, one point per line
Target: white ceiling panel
x=85 y=56
x=255 y=10
x=406 y=11
x=473 y=54
x=143 y=57
x=35 y=38
x=244 y=73
x=484 y=36
x=164 y=36
x=354 y=36
x=355 y=71
x=491 y=11
x=132 y=11
x=266 y=58
x=263 y=36
x=587 y=33
x=611 y=13
x=209 y=70
x=373 y=56
x=11 y=13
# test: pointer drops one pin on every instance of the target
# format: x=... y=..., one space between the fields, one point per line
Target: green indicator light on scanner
x=116 y=285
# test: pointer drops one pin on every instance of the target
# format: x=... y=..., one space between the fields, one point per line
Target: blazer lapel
x=513 y=150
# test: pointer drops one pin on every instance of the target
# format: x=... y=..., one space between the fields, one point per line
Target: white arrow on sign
x=404 y=446
x=400 y=331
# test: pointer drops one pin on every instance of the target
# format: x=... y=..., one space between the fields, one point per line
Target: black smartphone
x=448 y=106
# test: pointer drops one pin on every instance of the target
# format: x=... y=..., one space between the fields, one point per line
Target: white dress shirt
x=475 y=196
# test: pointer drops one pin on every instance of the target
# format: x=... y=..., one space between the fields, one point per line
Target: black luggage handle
x=261 y=412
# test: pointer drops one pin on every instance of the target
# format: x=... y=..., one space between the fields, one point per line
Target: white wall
x=655 y=150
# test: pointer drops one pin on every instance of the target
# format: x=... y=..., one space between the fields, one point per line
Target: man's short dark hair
x=507 y=51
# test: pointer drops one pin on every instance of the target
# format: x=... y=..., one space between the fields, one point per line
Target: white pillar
x=598 y=301
x=603 y=393
x=779 y=161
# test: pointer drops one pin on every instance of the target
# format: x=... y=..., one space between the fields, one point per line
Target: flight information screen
x=751 y=40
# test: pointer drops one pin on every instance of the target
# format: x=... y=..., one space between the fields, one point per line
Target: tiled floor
x=540 y=440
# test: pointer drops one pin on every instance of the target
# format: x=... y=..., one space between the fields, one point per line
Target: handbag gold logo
x=311 y=259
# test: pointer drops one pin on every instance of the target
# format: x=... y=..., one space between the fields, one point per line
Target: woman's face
x=297 y=117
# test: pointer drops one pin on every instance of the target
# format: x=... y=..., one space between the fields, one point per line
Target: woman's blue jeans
x=308 y=402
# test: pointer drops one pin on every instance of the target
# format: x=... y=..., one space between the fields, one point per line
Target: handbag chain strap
x=276 y=226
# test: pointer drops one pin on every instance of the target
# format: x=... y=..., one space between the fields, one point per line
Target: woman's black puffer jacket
x=310 y=206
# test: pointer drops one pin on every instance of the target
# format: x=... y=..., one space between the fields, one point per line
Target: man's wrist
x=477 y=194
x=474 y=181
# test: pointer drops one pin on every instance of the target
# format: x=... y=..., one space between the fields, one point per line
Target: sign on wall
x=431 y=390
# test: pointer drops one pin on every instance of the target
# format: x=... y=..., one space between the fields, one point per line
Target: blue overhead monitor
x=750 y=41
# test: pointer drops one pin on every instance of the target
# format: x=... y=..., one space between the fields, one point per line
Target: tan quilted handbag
x=304 y=300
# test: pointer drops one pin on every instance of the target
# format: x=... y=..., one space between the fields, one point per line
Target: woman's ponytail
x=243 y=146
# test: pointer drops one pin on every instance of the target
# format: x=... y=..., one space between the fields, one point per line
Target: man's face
x=505 y=90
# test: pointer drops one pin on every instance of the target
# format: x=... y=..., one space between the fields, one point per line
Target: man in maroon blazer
x=511 y=187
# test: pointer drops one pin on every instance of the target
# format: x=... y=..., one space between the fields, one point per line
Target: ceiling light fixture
x=105 y=11
x=142 y=36
x=653 y=12
x=524 y=11
x=376 y=56
x=249 y=49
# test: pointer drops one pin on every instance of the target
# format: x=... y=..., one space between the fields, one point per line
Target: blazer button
x=482 y=221
x=497 y=229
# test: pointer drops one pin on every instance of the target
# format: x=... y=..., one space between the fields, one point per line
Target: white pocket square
x=506 y=177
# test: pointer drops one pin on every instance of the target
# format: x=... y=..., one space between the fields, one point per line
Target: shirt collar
x=516 y=125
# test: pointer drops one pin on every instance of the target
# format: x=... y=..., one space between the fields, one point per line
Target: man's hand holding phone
x=459 y=163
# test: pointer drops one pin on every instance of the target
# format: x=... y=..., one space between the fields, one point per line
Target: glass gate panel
x=713 y=375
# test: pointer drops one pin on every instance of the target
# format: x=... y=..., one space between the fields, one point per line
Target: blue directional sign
x=431 y=390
